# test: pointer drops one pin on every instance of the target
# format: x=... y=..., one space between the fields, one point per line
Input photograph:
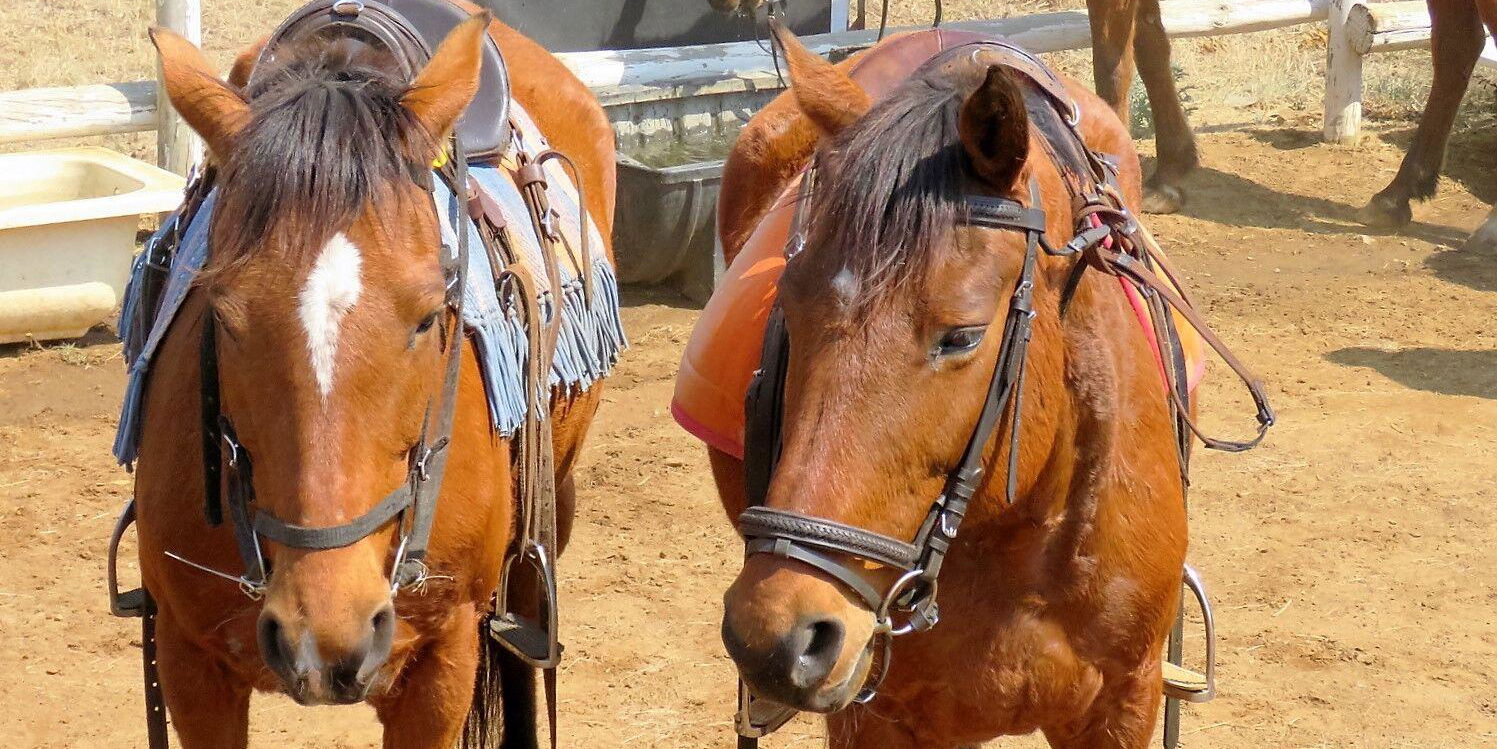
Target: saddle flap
x=410 y=30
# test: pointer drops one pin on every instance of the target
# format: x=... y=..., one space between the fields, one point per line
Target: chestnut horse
x=1055 y=608
x=324 y=284
x=1122 y=31
x=1456 y=41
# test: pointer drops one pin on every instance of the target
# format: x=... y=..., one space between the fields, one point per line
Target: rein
x=1109 y=240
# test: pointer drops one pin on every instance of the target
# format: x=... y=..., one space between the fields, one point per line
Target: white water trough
x=68 y=219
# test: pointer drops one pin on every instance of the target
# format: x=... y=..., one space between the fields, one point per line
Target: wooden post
x=1343 y=78
x=840 y=16
x=178 y=149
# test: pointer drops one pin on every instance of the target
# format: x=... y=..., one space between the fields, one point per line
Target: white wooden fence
x=635 y=84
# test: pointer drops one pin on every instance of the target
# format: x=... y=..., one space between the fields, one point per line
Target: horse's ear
x=214 y=110
x=444 y=87
x=825 y=94
x=244 y=63
x=994 y=129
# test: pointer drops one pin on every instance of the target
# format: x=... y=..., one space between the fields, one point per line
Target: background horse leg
x=1112 y=23
x=430 y=701
x=208 y=707
x=1173 y=141
x=1455 y=43
x=1122 y=717
x=1485 y=238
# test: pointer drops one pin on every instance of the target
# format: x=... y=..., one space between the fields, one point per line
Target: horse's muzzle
x=796 y=638
x=797 y=670
x=310 y=677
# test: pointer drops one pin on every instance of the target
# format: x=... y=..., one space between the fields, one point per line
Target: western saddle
x=412 y=29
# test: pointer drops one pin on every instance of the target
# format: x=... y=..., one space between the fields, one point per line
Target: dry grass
x=1227 y=81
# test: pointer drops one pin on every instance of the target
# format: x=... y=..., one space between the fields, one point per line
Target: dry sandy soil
x=1349 y=557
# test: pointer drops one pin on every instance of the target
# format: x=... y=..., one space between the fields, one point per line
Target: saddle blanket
x=591 y=336
x=723 y=351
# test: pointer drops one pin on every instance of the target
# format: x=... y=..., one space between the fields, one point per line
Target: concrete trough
x=68 y=219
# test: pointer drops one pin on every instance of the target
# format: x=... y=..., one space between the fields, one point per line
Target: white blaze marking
x=845 y=286
x=331 y=290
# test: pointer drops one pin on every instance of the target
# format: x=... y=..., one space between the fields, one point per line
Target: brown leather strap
x=156 y=734
x=1140 y=275
x=584 y=263
x=548 y=676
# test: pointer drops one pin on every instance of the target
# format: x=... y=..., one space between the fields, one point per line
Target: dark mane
x=889 y=188
x=327 y=132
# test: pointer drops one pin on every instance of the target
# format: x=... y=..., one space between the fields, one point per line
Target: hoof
x=1484 y=241
x=1163 y=199
x=1385 y=213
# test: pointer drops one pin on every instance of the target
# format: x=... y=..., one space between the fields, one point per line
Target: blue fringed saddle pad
x=591 y=333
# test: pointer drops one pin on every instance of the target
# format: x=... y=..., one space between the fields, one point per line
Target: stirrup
x=1185 y=684
x=534 y=641
x=758 y=717
x=131 y=603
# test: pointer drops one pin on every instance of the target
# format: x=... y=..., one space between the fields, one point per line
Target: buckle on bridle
x=226 y=434
x=421 y=466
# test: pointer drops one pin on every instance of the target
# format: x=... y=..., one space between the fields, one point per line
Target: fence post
x=177 y=147
x=1343 y=78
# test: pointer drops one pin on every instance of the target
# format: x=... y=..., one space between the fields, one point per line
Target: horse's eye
x=960 y=340
x=427 y=323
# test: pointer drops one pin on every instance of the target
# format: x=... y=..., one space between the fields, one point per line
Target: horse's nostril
x=279 y=654
x=381 y=637
x=816 y=645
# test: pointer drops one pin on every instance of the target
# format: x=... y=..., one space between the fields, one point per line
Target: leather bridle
x=412 y=505
x=829 y=546
x=1107 y=239
x=811 y=540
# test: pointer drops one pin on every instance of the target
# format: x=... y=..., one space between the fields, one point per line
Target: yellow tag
x=441 y=160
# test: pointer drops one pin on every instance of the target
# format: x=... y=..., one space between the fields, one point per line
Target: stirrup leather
x=1185 y=684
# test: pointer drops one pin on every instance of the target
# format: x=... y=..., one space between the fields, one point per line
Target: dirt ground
x=1349 y=557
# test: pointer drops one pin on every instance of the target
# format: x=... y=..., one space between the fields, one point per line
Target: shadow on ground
x=636 y=295
x=1475 y=270
x=99 y=335
x=1446 y=371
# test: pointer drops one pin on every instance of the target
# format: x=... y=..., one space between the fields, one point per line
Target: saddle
x=411 y=29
